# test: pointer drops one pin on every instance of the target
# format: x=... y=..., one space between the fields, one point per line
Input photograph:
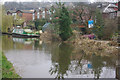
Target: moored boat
x=26 y=33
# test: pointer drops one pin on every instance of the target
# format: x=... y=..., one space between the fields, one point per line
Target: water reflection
x=91 y=66
x=118 y=66
x=56 y=60
x=63 y=61
x=97 y=64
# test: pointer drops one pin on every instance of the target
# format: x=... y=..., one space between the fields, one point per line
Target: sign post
x=90 y=24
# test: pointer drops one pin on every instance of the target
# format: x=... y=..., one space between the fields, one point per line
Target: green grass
x=7 y=69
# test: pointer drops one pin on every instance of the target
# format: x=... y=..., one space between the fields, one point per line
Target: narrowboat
x=25 y=33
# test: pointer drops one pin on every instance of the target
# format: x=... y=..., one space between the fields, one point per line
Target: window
x=38 y=16
x=33 y=16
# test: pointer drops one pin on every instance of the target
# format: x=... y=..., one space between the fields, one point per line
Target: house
x=25 y=14
x=30 y=15
x=118 y=13
x=10 y=12
x=110 y=11
x=40 y=13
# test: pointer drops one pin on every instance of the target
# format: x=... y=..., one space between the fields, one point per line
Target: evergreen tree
x=99 y=19
x=64 y=22
x=99 y=25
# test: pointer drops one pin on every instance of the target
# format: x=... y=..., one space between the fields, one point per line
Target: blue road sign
x=90 y=23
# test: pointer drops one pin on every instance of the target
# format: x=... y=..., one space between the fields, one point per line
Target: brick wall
x=27 y=16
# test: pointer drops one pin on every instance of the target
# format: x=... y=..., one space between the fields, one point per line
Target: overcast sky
x=59 y=0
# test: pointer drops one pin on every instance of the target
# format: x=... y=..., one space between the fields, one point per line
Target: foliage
x=104 y=29
x=99 y=25
x=0 y=17
x=84 y=30
x=39 y=23
x=7 y=69
x=31 y=24
x=61 y=21
x=99 y=19
x=7 y=21
x=56 y=29
x=98 y=30
x=18 y=20
x=64 y=22
x=81 y=14
x=55 y=12
x=110 y=28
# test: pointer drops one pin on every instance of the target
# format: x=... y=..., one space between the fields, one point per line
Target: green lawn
x=7 y=69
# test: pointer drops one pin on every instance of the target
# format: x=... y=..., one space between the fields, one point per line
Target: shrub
x=39 y=23
x=110 y=28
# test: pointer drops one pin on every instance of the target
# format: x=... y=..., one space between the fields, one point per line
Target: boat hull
x=5 y=33
x=25 y=35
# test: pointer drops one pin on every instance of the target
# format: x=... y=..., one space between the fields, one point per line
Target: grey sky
x=59 y=0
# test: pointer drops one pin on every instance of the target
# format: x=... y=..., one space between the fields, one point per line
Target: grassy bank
x=7 y=69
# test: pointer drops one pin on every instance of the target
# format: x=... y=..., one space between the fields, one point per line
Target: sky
x=92 y=1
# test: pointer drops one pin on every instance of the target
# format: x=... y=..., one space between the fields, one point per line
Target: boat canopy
x=28 y=30
x=19 y=31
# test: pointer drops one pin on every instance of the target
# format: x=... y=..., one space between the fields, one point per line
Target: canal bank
x=8 y=70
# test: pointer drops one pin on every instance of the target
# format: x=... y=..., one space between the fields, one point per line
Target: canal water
x=33 y=58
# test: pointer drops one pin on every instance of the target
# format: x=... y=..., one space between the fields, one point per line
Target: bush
x=39 y=23
x=7 y=22
x=84 y=30
x=39 y=27
x=31 y=24
x=98 y=30
x=110 y=28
